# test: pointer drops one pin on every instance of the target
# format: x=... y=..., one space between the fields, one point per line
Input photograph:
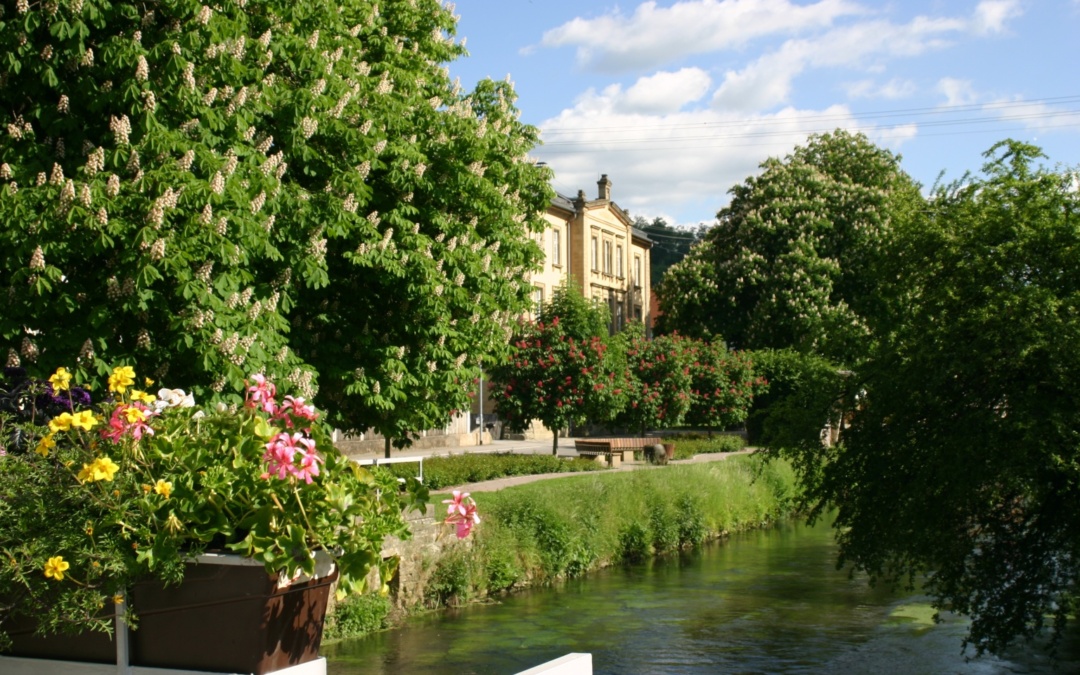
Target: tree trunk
x=386 y=448
x=555 y=442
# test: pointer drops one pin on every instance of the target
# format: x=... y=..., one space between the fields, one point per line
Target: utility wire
x=824 y=118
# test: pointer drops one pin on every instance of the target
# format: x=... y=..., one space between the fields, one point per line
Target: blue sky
x=677 y=101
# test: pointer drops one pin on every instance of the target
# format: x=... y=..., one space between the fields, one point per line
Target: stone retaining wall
x=417 y=555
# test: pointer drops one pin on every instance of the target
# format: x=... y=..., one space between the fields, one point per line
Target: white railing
x=571 y=664
x=377 y=461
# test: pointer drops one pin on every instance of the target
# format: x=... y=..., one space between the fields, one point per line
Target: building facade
x=594 y=243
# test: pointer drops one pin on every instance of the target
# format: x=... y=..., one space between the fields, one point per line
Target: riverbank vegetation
x=547 y=531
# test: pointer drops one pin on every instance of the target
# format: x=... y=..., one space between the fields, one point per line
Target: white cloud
x=893 y=137
x=1033 y=115
x=666 y=92
x=894 y=89
x=653 y=35
x=767 y=82
x=957 y=92
x=682 y=161
x=991 y=15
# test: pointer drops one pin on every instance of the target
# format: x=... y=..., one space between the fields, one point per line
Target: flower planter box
x=228 y=615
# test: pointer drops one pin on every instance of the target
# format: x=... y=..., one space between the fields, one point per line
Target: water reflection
x=765 y=602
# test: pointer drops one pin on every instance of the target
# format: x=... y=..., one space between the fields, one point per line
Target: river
x=764 y=602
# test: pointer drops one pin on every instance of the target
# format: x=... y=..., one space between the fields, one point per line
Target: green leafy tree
x=670 y=244
x=559 y=370
x=791 y=261
x=962 y=460
x=288 y=187
x=656 y=380
x=722 y=385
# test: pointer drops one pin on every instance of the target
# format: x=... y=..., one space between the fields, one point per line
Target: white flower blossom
x=142 y=70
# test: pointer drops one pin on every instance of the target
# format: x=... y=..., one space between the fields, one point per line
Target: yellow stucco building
x=595 y=243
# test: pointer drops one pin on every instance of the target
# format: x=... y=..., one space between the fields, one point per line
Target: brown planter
x=223 y=617
x=87 y=647
x=669 y=450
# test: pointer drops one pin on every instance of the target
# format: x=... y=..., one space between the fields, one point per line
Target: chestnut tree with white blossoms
x=292 y=187
x=792 y=261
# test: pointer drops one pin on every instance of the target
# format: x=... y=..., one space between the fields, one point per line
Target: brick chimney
x=605 y=187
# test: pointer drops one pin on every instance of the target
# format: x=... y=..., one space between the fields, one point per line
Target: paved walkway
x=537 y=447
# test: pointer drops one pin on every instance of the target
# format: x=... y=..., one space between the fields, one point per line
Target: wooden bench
x=611 y=451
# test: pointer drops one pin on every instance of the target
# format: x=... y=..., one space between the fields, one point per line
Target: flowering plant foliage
x=294 y=187
x=656 y=380
x=461 y=512
x=555 y=378
x=722 y=385
x=98 y=493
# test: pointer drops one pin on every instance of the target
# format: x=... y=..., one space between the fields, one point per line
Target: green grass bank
x=542 y=532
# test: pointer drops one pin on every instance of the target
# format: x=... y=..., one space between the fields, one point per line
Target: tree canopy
x=791 y=262
x=288 y=187
x=670 y=244
x=963 y=457
x=559 y=371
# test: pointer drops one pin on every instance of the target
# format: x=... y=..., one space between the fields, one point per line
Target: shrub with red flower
x=555 y=378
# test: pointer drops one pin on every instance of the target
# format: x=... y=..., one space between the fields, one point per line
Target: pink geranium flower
x=309 y=464
x=261 y=394
x=461 y=511
x=279 y=454
x=295 y=408
x=291 y=456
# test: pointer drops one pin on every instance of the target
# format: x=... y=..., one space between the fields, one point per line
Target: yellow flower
x=121 y=378
x=89 y=530
x=146 y=488
x=138 y=395
x=55 y=568
x=149 y=382
x=118 y=599
x=163 y=488
x=133 y=415
x=61 y=422
x=60 y=380
x=84 y=419
x=101 y=468
x=45 y=445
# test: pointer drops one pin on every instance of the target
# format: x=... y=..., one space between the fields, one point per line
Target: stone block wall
x=417 y=555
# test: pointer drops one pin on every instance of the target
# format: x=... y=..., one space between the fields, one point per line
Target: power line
x=766 y=139
x=824 y=118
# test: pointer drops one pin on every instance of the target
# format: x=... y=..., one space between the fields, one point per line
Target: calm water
x=766 y=602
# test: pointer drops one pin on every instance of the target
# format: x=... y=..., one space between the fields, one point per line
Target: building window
x=607 y=257
x=556 y=247
x=618 y=262
x=595 y=256
x=637 y=271
x=538 y=300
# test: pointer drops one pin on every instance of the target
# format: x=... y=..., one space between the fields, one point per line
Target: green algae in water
x=918 y=614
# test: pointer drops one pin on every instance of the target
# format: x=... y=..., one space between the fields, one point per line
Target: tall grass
x=539 y=532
